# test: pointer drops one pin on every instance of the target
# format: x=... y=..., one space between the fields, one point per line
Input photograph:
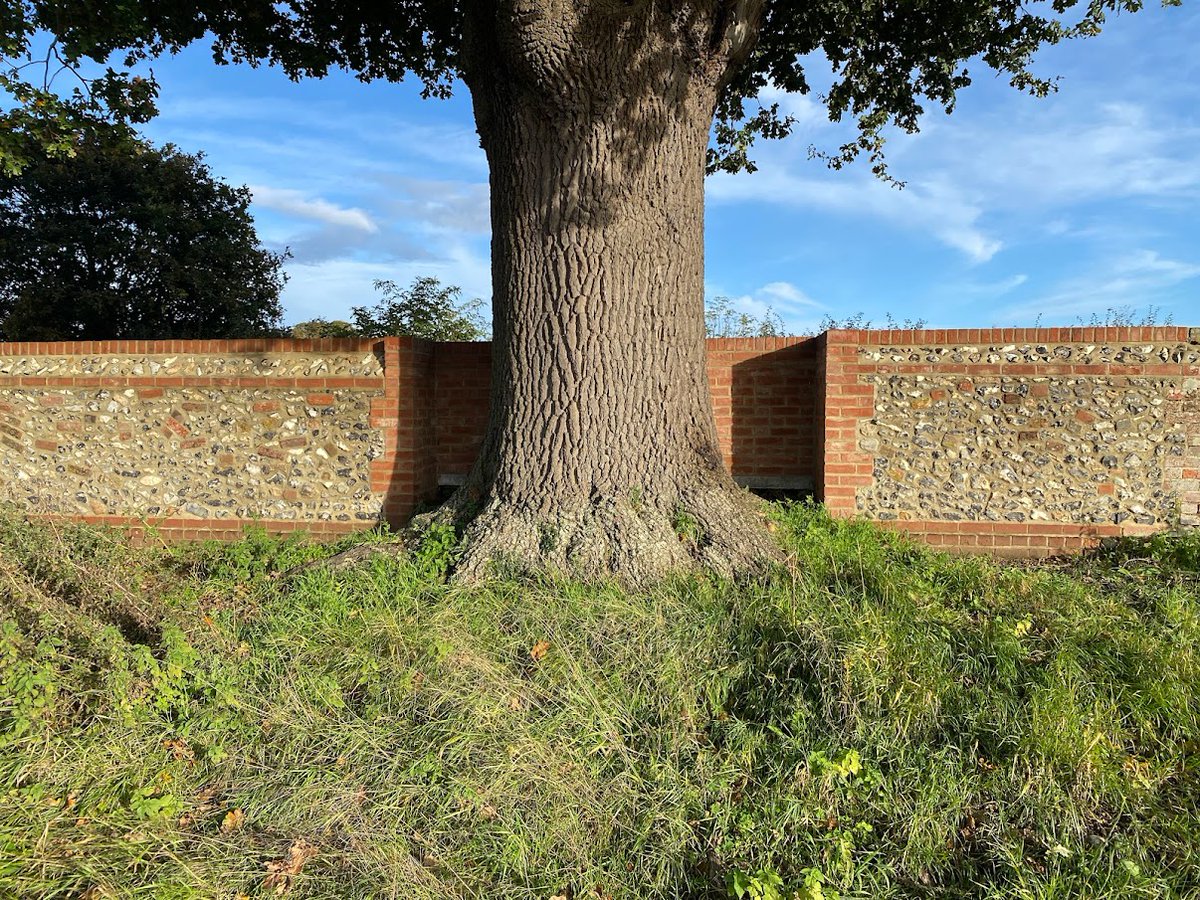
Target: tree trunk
x=601 y=457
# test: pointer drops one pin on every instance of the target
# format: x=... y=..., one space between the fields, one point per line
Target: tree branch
x=736 y=32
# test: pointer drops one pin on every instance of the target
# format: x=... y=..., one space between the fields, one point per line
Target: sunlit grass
x=882 y=722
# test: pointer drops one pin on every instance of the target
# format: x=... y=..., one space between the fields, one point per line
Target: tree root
x=628 y=540
x=631 y=541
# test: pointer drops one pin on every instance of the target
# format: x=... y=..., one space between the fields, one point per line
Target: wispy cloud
x=329 y=288
x=1012 y=206
x=453 y=206
x=787 y=293
x=1114 y=150
x=933 y=205
x=1132 y=281
x=295 y=203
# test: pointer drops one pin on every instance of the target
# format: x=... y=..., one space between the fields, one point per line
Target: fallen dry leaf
x=539 y=650
x=234 y=819
x=280 y=872
x=179 y=749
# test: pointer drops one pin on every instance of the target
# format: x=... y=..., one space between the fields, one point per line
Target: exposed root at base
x=397 y=546
x=633 y=543
x=616 y=538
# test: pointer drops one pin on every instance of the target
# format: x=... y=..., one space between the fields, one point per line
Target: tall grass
x=881 y=721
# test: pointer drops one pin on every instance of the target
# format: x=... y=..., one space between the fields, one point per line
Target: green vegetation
x=723 y=320
x=425 y=309
x=883 y=721
x=119 y=239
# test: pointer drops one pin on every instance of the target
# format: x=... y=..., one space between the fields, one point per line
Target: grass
x=884 y=722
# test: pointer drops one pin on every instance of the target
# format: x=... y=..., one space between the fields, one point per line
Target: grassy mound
x=884 y=722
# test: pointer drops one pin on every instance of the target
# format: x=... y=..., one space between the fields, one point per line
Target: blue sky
x=1014 y=208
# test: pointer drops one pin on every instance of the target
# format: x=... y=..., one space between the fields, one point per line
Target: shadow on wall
x=773 y=441
x=775 y=434
x=462 y=401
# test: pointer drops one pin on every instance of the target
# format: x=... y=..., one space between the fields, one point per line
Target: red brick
x=177 y=427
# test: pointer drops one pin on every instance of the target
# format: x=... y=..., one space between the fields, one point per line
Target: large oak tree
x=597 y=117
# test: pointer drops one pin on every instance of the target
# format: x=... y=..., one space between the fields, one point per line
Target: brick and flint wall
x=198 y=438
x=1015 y=441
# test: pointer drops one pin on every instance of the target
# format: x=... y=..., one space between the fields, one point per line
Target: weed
x=437 y=550
x=548 y=537
x=686 y=526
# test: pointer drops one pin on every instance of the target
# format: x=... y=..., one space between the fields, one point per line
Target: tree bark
x=601 y=457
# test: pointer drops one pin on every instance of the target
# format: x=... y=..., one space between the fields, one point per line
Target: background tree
x=122 y=240
x=323 y=328
x=425 y=309
x=596 y=117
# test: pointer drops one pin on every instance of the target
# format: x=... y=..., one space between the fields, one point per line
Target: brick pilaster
x=846 y=401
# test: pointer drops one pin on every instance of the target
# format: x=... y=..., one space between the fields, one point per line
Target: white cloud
x=328 y=289
x=806 y=112
x=295 y=203
x=933 y=205
x=996 y=174
x=991 y=288
x=788 y=293
x=791 y=304
x=1132 y=281
x=1105 y=152
x=457 y=207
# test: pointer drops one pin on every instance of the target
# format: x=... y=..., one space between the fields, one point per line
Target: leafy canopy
x=889 y=58
x=425 y=309
x=123 y=240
